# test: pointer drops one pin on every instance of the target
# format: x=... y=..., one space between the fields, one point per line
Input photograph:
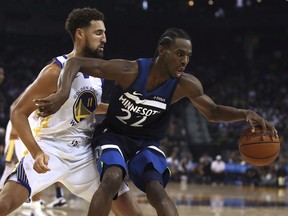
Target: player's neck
x=156 y=77
x=71 y=54
x=158 y=72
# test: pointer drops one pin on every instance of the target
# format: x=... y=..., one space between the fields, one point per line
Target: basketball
x=259 y=148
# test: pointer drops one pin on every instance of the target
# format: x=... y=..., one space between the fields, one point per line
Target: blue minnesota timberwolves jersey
x=139 y=113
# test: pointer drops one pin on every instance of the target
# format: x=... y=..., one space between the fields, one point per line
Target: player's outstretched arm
x=213 y=112
x=119 y=70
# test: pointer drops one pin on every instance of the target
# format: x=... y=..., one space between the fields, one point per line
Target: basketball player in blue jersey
x=138 y=117
x=59 y=145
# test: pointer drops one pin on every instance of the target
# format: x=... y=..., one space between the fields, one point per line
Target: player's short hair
x=80 y=18
x=169 y=36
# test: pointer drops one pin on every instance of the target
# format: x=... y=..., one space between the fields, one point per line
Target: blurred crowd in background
x=239 y=54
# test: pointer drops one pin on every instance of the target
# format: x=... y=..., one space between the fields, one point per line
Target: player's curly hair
x=169 y=36
x=80 y=18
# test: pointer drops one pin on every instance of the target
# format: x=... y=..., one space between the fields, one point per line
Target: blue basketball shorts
x=145 y=164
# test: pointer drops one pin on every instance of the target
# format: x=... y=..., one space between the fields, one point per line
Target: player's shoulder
x=187 y=78
x=60 y=60
x=189 y=85
x=50 y=70
x=54 y=67
x=129 y=65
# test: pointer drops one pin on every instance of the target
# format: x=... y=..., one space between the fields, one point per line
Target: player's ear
x=161 y=50
x=79 y=33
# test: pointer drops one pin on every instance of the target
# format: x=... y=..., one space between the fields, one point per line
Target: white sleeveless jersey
x=75 y=120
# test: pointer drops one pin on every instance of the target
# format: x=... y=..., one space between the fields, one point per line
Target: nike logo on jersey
x=136 y=93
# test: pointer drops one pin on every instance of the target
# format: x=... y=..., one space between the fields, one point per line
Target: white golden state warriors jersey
x=75 y=120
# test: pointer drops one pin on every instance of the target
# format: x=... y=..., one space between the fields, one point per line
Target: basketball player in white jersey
x=60 y=150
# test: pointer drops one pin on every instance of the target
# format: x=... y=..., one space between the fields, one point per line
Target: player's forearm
x=22 y=127
x=229 y=114
x=67 y=76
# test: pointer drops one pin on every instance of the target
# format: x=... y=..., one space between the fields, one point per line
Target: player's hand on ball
x=253 y=120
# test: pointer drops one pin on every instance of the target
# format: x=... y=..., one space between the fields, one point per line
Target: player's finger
x=46 y=111
x=262 y=123
x=274 y=132
x=43 y=107
x=250 y=124
x=270 y=127
x=46 y=160
x=46 y=168
x=42 y=102
x=43 y=114
x=43 y=168
x=38 y=168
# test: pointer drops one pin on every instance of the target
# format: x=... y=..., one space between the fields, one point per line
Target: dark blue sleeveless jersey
x=139 y=113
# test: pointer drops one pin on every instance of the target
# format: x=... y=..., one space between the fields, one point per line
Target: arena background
x=239 y=54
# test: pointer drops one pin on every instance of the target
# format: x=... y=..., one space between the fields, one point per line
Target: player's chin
x=175 y=74
x=179 y=74
x=100 y=54
x=97 y=54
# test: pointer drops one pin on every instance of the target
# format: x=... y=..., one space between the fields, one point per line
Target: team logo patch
x=85 y=104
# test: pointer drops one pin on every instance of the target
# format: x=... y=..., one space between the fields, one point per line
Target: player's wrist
x=36 y=152
x=245 y=113
x=63 y=93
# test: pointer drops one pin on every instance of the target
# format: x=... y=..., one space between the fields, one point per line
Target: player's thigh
x=83 y=182
x=148 y=165
x=13 y=195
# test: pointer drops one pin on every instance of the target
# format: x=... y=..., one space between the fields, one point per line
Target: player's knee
x=113 y=177
x=113 y=174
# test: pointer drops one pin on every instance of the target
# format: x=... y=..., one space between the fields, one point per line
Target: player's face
x=95 y=39
x=177 y=57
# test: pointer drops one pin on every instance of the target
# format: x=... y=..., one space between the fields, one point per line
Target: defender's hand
x=49 y=105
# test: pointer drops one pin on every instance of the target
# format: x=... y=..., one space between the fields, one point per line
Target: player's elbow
x=214 y=119
x=12 y=107
x=14 y=114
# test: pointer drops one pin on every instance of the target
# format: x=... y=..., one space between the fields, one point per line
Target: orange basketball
x=259 y=148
